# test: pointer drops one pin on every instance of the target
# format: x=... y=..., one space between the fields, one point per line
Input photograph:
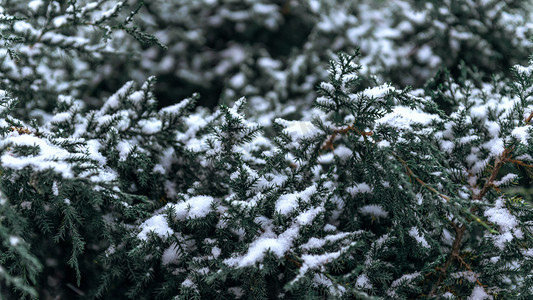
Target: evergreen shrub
x=335 y=150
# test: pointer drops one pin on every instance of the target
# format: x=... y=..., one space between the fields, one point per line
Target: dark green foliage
x=298 y=181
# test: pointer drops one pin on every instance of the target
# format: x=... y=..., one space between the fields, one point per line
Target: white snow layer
x=521 y=133
x=373 y=210
x=49 y=156
x=157 y=224
x=363 y=282
x=418 y=237
x=479 y=294
x=195 y=207
x=287 y=203
x=269 y=241
x=379 y=91
x=298 y=129
x=508 y=223
x=403 y=117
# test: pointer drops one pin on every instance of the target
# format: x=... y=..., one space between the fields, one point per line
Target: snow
x=493 y=128
x=343 y=152
x=195 y=207
x=60 y=21
x=93 y=147
x=176 y=109
x=373 y=210
x=478 y=293
x=188 y=283
x=362 y=187
x=22 y=27
x=238 y=292
x=413 y=232
x=327 y=158
x=316 y=261
x=124 y=148
x=317 y=243
x=265 y=9
x=171 y=254
x=136 y=97
x=269 y=63
x=404 y=278
x=256 y=252
x=499 y=215
x=467 y=139
x=477 y=165
x=34 y=5
x=447 y=146
x=506 y=179
x=383 y=144
x=55 y=190
x=14 y=240
x=521 y=133
x=287 y=203
x=106 y=175
x=326 y=101
x=299 y=129
x=468 y=275
x=49 y=156
x=403 y=117
x=448 y=295
x=215 y=251
x=329 y=227
x=237 y=81
x=269 y=241
x=327 y=86
x=113 y=102
x=363 y=282
x=379 y=91
x=110 y=12
x=495 y=146
x=61 y=117
x=150 y=126
x=524 y=71
x=307 y=217
x=158 y=225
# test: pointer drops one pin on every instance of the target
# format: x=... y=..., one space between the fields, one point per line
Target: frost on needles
x=379 y=194
x=371 y=191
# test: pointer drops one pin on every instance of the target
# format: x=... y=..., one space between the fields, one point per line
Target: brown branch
x=460 y=231
x=328 y=144
x=420 y=181
x=519 y=163
x=456 y=246
x=528 y=119
x=461 y=260
x=295 y=262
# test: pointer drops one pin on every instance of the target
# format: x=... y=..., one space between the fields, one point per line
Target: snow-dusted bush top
x=381 y=194
x=305 y=182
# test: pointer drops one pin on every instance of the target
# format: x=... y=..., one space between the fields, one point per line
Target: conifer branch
x=420 y=181
x=207 y=197
x=528 y=119
x=460 y=230
x=328 y=144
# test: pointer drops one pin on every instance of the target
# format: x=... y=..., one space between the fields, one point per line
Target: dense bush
x=336 y=149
